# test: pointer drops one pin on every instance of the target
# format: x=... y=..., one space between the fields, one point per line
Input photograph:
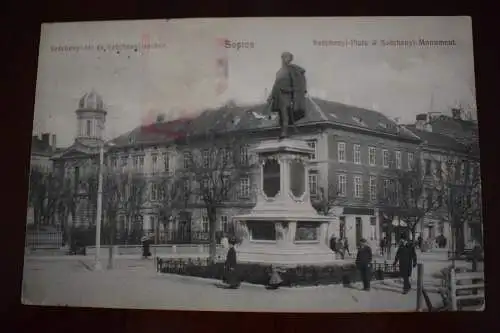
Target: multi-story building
x=42 y=149
x=449 y=150
x=356 y=151
x=75 y=163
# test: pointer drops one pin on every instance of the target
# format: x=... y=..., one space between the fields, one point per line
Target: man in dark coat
x=288 y=96
x=383 y=244
x=407 y=258
x=333 y=243
x=146 y=242
x=363 y=263
x=230 y=266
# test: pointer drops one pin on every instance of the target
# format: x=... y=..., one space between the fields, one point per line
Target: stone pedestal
x=283 y=228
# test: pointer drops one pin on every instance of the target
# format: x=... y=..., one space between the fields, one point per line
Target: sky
x=178 y=75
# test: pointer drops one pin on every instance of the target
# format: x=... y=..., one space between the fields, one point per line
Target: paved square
x=135 y=284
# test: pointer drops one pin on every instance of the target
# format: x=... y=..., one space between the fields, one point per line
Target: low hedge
x=345 y=273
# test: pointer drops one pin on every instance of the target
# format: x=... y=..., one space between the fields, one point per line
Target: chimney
x=160 y=118
x=54 y=142
x=46 y=139
x=421 y=121
x=456 y=113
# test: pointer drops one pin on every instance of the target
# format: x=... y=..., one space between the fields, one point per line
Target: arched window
x=88 y=131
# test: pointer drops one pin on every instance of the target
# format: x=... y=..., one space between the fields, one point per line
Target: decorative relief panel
x=271 y=178
x=297 y=178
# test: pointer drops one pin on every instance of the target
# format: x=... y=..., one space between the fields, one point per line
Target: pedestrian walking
x=146 y=242
x=340 y=248
x=383 y=244
x=333 y=243
x=275 y=280
x=363 y=263
x=420 y=241
x=230 y=266
x=346 y=246
x=407 y=259
x=224 y=242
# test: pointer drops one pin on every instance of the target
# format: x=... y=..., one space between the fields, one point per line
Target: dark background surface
x=20 y=39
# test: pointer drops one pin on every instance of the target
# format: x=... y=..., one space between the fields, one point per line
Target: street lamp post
x=97 y=265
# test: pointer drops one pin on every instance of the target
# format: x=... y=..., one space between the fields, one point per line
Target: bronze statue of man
x=288 y=94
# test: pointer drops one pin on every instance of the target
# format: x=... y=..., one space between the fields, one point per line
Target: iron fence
x=44 y=239
x=380 y=270
x=178 y=236
x=86 y=236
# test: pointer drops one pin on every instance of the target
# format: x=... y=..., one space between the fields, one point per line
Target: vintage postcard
x=256 y=164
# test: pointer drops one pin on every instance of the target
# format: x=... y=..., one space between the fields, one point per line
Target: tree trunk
x=112 y=232
x=460 y=241
x=453 y=246
x=212 y=219
x=413 y=231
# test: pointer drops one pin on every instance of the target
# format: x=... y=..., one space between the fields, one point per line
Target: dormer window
x=236 y=120
x=383 y=125
x=358 y=120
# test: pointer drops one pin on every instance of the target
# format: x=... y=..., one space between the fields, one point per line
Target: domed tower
x=91 y=117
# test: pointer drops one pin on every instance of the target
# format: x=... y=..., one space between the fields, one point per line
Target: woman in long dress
x=230 y=266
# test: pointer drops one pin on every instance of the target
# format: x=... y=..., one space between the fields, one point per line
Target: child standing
x=275 y=280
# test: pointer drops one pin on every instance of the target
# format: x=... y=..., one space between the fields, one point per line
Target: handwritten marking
x=351 y=43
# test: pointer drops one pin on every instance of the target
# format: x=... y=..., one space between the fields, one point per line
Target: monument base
x=298 y=255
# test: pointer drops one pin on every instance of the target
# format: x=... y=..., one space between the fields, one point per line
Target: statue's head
x=286 y=58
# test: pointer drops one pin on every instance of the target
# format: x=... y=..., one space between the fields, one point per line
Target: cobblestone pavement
x=65 y=282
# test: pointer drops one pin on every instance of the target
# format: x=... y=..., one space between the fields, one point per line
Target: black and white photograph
x=256 y=164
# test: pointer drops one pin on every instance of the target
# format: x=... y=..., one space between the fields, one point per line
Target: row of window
x=161 y=162
x=244 y=190
x=223 y=157
x=372 y=156
x=154 y=220
x=358 y=191
x=93 y=128
x=438 y=167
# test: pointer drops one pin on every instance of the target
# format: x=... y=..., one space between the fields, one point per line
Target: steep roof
x=360 y=117
x=156 y=132
x=438 y=140
x=39 y=147
x=254 y=117
x=455 y=127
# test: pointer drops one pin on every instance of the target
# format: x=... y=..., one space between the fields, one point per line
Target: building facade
x=354 y=150
x=450 y=157
x=42 y=149
x=356 y=155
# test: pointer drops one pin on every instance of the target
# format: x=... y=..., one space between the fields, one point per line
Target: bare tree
x=326 y=199
x=421 y=193
x=411 y=195
x=134 y=195
x=37 y=193
x=44 y=195
x=169 y=195
x=462 y=197
x=121 y=191
x=215 y=171
x=66 y=207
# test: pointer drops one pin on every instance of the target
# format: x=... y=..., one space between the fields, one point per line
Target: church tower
x=91 y=117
